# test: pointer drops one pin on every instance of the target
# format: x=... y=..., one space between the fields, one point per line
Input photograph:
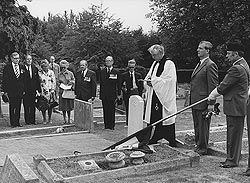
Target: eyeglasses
x=15 y=58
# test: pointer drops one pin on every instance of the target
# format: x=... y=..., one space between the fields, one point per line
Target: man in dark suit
x=203 y=80
x=131 y=84
x=234 y=89
x=85 y=87
x=13 y=87
x=31 y=87
x=110 y=90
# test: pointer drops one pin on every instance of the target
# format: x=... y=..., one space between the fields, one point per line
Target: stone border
x=16 y=170
x=189 y=159
x=31 y=132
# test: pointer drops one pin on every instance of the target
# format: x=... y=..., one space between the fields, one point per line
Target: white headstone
x=135 y=115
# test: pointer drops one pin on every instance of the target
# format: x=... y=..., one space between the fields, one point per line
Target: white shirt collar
x=110 y=68
x=238 y=60
x=203 y=59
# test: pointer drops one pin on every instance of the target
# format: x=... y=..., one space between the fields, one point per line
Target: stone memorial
x=83 y=115
x=135 y=115
x=16 y=170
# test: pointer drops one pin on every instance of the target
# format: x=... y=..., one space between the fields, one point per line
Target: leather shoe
x=246 y=173
x=20 y=125
x=222 y=162
x=227 y=165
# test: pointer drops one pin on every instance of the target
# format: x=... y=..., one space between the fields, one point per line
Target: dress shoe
x=201 y=151
x=20 y=125
x=222 y=162
x=246 y=173
x=227 y=165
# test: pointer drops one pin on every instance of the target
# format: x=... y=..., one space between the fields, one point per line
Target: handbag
x=5 y=98
x=52 y=102
x=41 y=103
x=68 y=94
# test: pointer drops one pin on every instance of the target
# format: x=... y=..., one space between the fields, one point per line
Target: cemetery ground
x=207 y=171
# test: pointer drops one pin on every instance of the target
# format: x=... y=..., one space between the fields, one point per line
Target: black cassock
x=161 y=131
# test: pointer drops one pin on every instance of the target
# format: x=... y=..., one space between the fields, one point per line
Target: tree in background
x=17 y=28
x=184 y=23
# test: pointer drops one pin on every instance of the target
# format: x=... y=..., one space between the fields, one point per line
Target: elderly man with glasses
x=13 y=87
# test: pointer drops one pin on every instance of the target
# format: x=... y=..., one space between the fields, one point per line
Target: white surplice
x=165 y=89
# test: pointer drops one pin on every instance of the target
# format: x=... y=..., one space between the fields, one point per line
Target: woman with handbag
x=48 y=86
x=66 y=90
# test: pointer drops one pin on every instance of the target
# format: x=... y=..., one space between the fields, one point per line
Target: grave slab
x=52 y=146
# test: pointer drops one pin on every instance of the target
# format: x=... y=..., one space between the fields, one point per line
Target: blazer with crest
x=110 y=84
x=85 y=87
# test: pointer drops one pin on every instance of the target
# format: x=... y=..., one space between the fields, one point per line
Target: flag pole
x=153 y=124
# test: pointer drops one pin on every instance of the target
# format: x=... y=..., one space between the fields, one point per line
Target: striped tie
x=16 y=70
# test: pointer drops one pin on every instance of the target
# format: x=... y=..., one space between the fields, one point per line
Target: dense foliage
x=183 y=23
x=17 y=28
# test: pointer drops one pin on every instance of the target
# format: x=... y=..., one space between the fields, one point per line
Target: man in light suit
x=203 y=80
x=31 y=87
x=234 y=89
x=110 y=90
x=13 y=87
x=85 y=87
x=131 y=84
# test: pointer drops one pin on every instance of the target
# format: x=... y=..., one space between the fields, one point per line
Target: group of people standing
x=25 y=82
x=159 y=86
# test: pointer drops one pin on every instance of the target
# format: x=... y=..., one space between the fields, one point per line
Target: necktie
x=29 y=72
x=131 y=79
x=16 y=71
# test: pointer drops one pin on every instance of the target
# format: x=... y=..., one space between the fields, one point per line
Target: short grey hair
x=208 y=45
x=156 y=47
x=65 y=63
x=44 y=62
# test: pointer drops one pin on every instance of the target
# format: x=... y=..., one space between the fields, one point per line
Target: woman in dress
x=67 y=78
x=48 y=86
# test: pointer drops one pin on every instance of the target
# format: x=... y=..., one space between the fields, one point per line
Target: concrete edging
x=189 y=159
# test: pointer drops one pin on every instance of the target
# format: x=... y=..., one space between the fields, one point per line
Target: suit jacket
x=31 y=84
x=234 y=89
x=85 y=87
x=126 y=82
x=203 y=80
x=12 y=85
x=110 y=84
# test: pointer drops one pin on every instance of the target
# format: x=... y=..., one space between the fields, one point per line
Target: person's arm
x=212 y=80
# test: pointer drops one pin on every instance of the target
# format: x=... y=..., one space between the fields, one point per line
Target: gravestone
x=135 y=115
x=16 y=170
x=83 y=115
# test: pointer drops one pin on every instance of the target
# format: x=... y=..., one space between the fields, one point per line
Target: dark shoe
x=144 y=148
x=222 y=162
x=20 y=125
x=227 y=165
x=201 y=151
x=246 y=173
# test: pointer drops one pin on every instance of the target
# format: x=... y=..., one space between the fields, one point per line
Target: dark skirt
x=65 y=104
